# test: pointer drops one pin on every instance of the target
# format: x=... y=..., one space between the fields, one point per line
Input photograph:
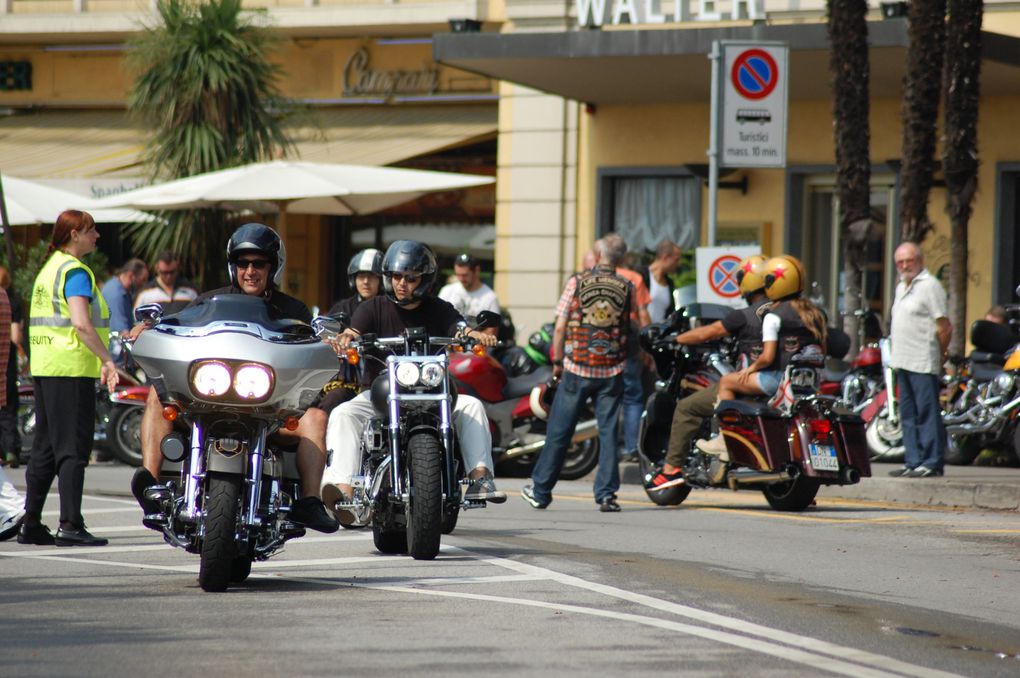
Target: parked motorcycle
x=883 y=433
x=682 y=370
x=233 y=376
x=787 y=454
x=984 y=416
x=410 y=486
x=517 y=409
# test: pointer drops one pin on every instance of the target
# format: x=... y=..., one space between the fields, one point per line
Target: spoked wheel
x=219 y=549
x=885 y=438
x=793 y=495
x=123 y=434
x=424 y=509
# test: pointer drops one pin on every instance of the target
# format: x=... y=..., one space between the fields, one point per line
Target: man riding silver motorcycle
x=256 y=258
x=409 y=274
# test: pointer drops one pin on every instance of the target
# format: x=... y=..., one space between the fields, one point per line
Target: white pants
x=12 y=504
x=347 y=423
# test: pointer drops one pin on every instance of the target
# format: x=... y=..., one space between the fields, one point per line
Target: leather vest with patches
x=794 y=336
x=598 y=319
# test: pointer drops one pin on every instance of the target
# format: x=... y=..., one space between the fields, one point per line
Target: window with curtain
x=647 y=209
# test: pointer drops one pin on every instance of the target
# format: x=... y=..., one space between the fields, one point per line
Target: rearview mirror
x=325 y=325
x=149 y=313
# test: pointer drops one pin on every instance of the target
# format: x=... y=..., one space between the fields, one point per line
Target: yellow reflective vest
x=57 y=351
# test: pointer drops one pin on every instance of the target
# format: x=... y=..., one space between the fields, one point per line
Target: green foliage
x=31 y=260
x=207 y=89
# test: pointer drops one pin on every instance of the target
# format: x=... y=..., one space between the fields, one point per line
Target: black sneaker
x=528 y=492
x=310 y=512
x=924 y=472
x=37 y=534
x=900 y=472
x=141 y=481
x=659 y=480
x=609 y=505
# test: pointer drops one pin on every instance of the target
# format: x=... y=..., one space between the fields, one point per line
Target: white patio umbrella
x=30 y=202
x=295 y=187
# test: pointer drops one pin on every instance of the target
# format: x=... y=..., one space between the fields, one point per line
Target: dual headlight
x=410 y=375
x=251 y=382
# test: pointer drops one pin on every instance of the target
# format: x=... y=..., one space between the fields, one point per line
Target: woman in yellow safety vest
x=68 y=331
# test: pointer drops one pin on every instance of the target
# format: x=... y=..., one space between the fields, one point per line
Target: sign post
x=748 y=119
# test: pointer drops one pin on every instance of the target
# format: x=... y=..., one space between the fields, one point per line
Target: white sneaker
x=10 y=524
x=714 y=446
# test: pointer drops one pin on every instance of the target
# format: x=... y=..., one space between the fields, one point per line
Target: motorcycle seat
x=834 y=375
x=522 y=385
x=749 y=408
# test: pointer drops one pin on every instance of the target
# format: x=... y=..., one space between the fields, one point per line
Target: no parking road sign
x=754 y=90
x=717 y=274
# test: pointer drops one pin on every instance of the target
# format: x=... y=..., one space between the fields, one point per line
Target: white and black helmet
x=365 y=261
x=260 y=239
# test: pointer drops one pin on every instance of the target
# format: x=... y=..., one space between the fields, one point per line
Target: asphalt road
x=721 y=586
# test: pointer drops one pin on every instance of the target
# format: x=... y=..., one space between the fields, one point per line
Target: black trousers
x=65 y=413
x=10 y=435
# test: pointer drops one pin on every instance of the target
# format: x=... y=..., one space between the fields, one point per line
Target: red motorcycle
x=517 y=409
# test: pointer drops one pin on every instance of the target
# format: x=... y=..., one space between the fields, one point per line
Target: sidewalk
x=966 y=487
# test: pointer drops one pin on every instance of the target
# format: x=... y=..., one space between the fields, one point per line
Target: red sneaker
x=659 y=480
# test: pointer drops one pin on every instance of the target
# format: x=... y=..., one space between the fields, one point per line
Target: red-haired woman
x=68 y=332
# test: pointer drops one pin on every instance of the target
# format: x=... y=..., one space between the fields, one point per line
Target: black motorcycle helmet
x=365 y=261
x=409 y=256
x=257 y=238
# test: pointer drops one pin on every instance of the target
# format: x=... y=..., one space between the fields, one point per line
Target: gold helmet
x=751 y=274
x=784 y=277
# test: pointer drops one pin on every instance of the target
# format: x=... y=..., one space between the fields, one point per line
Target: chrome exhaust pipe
x=849 y=476
x=377 y=481
x=742 y=477
x=585 y=430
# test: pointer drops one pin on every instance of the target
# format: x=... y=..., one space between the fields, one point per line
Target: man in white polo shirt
x=469 y=295
x=920 y=335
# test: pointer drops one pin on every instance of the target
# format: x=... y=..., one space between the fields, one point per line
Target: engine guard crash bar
x=585 y=431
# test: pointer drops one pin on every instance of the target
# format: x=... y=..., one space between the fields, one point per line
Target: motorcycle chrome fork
x=254 y=479
x=396 y=482
x=195 y=474
x=890 y=394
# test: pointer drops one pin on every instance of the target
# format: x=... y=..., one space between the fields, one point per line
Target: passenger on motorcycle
x=792 y=324
x=409 y=276
x=364 y=276
x=742 y=323
x=256 y=257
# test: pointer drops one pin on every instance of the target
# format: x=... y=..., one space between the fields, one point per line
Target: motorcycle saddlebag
x=855 y=446
x=755 y=434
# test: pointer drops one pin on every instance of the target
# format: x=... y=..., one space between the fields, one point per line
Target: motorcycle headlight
x=407 y=374
x=431 y=375
x=1003 y=383
x=253 y=382
x=211 y=379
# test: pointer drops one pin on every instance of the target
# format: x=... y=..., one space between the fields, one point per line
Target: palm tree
x=960 y=154
x=922 y=88
x=207 y=89
x=848 y=65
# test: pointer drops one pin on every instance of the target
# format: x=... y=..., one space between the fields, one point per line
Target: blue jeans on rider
x=571 y=396
x=633 y=403
x=924 y=434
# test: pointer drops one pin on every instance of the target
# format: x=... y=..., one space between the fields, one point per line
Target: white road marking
x=94 y=511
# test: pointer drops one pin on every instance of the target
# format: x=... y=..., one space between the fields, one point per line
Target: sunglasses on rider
x=410 y=278
x=257 y=264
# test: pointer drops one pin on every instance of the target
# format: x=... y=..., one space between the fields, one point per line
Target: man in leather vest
x=589 y=349
x=745 y=325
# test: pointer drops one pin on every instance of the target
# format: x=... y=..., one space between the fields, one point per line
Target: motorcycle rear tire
x=219 y=549
x=885 y=442
x=962 y=450
x=388 y=542
x=581 y=459
x=795 y=495
x=424 y=508
x=123 y=434
x=450 y=519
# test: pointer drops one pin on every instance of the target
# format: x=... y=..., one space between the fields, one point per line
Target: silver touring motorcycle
x=230 y=376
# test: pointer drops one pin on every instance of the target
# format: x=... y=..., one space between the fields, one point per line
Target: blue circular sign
x=722 y=276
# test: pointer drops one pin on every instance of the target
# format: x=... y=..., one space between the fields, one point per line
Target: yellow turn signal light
x=291 y=423
x=478 y=350
x=170 y=413
x=353 y=357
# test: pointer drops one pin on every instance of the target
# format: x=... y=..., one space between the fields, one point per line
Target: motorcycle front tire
x=219 y=549
x=793 y=495
x=885 y=441
x=123 y=434
x=424 y=508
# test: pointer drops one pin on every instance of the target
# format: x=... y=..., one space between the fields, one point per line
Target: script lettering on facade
x=361 y=80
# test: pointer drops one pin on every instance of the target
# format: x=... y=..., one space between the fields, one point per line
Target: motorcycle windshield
x=240 y=308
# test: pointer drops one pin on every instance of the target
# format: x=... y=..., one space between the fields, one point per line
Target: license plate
x=823 y=458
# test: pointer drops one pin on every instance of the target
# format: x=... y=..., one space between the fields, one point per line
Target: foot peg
x=155 y=521
x=157 y=493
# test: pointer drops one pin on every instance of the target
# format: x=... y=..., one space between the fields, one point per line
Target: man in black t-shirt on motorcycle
x=745 y=325
x=409 y=275
x=256 y=258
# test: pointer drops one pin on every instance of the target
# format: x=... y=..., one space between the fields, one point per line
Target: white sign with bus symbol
x=754 y=98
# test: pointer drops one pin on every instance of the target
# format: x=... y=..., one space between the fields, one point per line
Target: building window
x=647 y=205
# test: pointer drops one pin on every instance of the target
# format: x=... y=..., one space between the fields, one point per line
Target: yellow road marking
x=985 y=531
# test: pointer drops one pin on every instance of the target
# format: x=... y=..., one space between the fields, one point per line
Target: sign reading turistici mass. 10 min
x=592 y=13
x=753 y=80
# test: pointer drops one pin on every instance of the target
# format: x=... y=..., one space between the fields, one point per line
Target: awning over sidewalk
x=671 y=65
x=61 y=144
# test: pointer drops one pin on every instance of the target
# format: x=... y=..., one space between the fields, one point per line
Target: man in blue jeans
x=590 y=348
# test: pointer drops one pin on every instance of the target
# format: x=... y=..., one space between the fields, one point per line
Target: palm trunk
x=848 y=34
x=922 y=87
x=960 y=155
